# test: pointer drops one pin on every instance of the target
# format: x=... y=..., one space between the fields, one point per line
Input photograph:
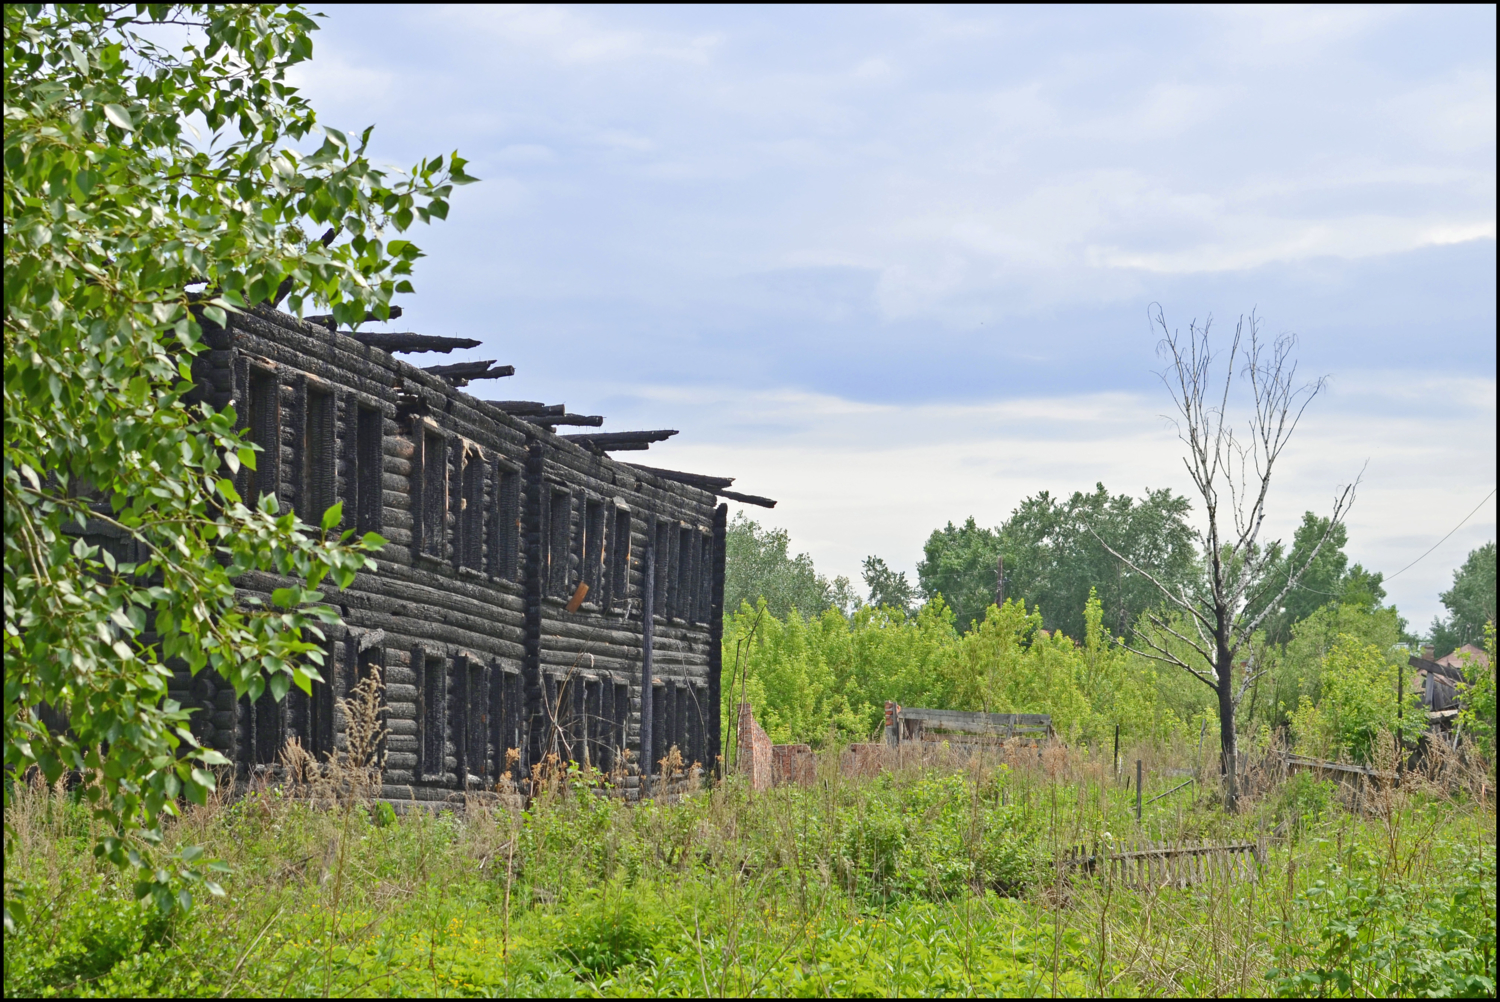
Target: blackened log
x=550 y=420
x=747 y=498
x=691 y=479
x=407 y=341
x=326 y=319
x=526 y=408
x=620 y=440
x=459 y=373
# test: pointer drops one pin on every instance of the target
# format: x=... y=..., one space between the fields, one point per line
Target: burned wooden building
x=535 y=596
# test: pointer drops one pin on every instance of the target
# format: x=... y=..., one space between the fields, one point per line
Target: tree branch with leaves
x=125 y=230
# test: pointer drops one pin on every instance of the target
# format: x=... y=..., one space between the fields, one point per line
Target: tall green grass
x=943 y=877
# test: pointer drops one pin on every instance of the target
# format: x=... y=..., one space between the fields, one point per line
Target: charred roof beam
x=459 y=373
x=407 y=341
x=549 y=420
x=620 y=441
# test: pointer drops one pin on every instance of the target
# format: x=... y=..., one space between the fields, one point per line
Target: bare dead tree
x=1215 y=620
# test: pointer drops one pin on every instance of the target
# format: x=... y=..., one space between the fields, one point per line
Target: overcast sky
x=892 y=266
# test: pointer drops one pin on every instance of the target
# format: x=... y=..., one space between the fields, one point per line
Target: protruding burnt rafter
x=408 y=341
x=699 y=480
x=549 y=420
x=459 y=373
x=527 y=408
x=326 y=319
x=621 y=441
x=714 y=485
x=747 y=498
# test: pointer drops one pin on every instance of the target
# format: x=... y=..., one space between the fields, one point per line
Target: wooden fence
x=909 y=723
x=1148 y=865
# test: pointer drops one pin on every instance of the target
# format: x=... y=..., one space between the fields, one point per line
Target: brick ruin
x=532 y=587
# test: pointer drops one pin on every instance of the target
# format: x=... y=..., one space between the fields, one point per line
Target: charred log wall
x=492 y=524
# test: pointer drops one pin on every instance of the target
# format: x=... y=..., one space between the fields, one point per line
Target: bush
x=608 y=927
x=1303 y=800
x=1359 y=702
x=1386 y=938
x=79 y=942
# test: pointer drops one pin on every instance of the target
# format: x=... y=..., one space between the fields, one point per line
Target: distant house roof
x=1425 y=666
x=1456 y=659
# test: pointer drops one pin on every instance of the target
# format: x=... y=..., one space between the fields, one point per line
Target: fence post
x=1137 y=790
x=1116 y=763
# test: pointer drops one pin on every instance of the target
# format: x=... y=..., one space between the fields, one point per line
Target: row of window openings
x=316 y=454
x=485 y=506
x=679 y=720
x=266 y=724
x=470 y=721
x=474 y=711
x=592 y=549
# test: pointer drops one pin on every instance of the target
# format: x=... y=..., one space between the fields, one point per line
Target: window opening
x=432 y=671
x=663 y=568
x=319 y=463
x=505 y=539
x=368 y=501
x=559 y=524
x=593 y=550
x=471 y=517
x=270 y=726
x=618 y=560
x=434 y=494
x=265 y=431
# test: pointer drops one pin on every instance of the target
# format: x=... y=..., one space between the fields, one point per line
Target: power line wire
x=1440 y=542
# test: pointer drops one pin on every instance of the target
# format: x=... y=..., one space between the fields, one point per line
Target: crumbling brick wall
x=754 y=750
x=791 y=764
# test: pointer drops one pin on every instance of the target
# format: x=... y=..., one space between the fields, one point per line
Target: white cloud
x=855 y=478
x=569 y=37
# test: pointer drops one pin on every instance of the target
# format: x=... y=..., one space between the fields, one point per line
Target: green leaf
x=333 y=516
x=119 y=116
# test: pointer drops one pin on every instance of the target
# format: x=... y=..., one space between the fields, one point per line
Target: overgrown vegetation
x=943 y=877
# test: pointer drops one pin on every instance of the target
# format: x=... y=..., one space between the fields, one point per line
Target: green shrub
x=1383 y=937
x=608 y=927
x=1303 y=800
x=81 y=941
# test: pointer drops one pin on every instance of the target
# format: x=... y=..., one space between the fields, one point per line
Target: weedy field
x=948 y=877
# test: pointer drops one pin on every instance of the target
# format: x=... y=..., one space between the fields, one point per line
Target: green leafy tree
x=1054 y=557
x=1362 y=698
x=960 y=563
x=1297 y=672
x=115 y=212
x=1470 y=603
x=758 y=564
x=1327 y=576
x=887 y=587
x=1478 y=696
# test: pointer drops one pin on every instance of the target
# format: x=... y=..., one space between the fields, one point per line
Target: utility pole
x=1000 y=580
